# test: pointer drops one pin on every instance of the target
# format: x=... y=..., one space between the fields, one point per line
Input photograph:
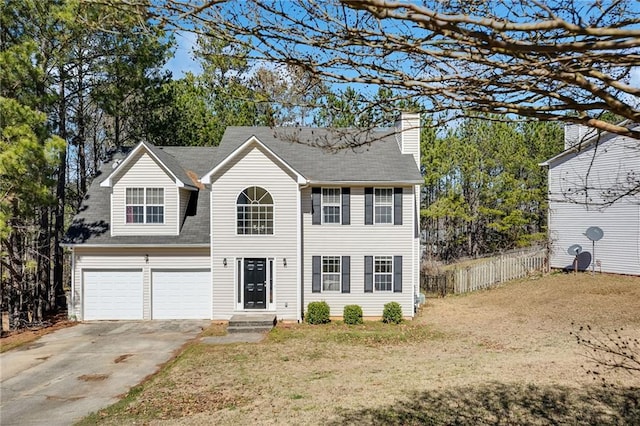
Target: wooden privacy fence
x=486 y=273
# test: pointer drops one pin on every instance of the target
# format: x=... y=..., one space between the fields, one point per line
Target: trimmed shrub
x=317 y=313
x=352 y=314
x=392 y=313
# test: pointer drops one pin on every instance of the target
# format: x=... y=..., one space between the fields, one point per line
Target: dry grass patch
x=215 y=329
x=18 y=338
x=502 y=356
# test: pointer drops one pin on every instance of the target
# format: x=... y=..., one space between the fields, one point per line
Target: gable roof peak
x=164 y=160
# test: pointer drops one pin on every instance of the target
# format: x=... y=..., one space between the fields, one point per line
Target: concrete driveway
x=65 y=375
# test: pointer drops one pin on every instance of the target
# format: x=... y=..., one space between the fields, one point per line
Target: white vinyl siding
x=143 y=259
x=357 y=241
x=572 y=210
x=254 y=167
x=144 y=172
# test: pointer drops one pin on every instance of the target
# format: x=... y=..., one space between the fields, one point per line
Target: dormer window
x=144 y=205
x=255 y=212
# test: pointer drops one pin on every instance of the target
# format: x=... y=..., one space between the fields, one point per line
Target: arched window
x=255 y=212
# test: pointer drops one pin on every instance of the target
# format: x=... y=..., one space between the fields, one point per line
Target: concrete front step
x=251 y=323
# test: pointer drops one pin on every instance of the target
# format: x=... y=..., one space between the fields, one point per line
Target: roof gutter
x=363 y=182
x=121 y=245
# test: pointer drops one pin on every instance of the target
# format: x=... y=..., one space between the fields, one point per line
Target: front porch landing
x=251 y=323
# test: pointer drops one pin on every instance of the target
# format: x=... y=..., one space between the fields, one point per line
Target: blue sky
x=183 y=61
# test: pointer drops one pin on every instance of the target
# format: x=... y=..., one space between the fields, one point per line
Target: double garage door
x=119 y=294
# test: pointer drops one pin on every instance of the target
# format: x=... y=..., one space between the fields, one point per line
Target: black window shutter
x=316 y=209
x=368 y=206
x=368 y=274
x=346 y=206
x=397 y=206
x=346 y=274
x=316 y=274
x=397 y=274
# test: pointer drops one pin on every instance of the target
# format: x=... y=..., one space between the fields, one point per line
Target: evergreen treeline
x=484 y=191
x=81 y=79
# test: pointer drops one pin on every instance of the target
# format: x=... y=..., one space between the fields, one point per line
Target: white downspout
x=71 y=303
x=300 y=308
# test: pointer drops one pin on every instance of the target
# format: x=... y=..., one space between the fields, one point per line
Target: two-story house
x=268 y=221
x=594 y=183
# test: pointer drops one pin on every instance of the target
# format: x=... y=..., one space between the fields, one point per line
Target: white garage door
x=184 y=294
x=112 y=295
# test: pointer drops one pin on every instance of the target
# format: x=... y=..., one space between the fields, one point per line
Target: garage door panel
x=181 y=294
x=112 y=295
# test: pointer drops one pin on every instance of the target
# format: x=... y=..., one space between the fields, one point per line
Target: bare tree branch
x=563 y=60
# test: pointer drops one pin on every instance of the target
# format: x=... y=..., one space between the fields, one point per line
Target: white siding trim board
x=299 y=254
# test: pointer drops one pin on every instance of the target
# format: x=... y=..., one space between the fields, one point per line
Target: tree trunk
x=58 y=291
x=82 y=161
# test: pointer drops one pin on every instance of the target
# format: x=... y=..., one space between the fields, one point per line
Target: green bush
x=352 y=314
x=392 y=313
x=317 y=313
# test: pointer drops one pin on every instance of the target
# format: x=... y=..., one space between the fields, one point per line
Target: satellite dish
x=575 y=250
x=594 y=233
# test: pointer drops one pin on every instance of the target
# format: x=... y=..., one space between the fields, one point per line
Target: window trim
x=390 y=204
x=250 y=204
x=324 y=204
x=390 y=273
x=145 y=204
x=338 y=273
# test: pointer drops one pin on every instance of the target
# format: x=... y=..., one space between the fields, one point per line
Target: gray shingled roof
x=319 y=155
x=323 y=155
x=194 y=158
x=172 y=164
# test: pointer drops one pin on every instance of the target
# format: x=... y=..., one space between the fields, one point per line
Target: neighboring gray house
x=594 y=183
x=268 y=221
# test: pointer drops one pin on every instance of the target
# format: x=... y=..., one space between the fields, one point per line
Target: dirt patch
x=68 y=399
x=501 y=356
x=93 y=377
x=122 y=358
x=19 y=338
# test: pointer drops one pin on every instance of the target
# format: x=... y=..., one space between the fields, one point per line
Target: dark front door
x=255 y=283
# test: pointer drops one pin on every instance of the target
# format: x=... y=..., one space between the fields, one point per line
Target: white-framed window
x=144 y=205
x=331 y=269
x=383 y=205
x=331 y=205
x=254 y=212
x=383 y=273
